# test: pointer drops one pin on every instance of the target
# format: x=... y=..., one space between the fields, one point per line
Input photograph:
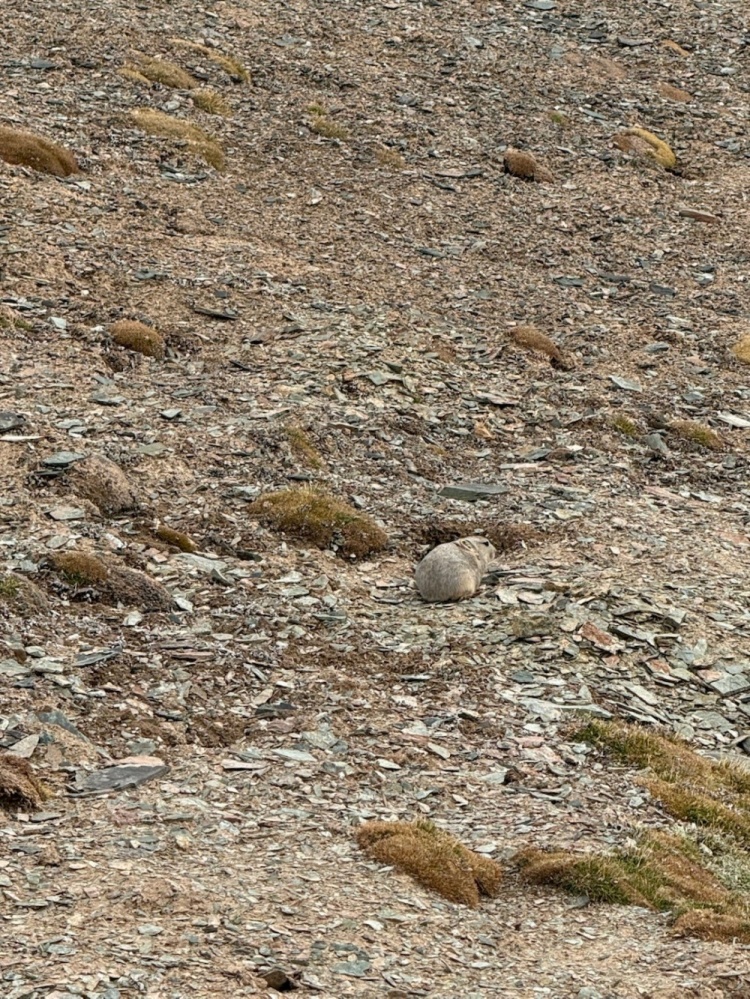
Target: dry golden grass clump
x=674 y=93
x=112 y=583
x=328 y=129
x=196 y=140
x=625 y=425
x=435 y=859
x=710 y=925
x=301 y=445
x=526 y=166
x=25 y=149
x=532 y=339
x=177 y=539
x=129 y=73
x=168 y=74
x=20 y=789
x=211 y=102
x=701 y=873
x=391 y=159
x=313 y=515
x=104 y=483
x=231 y=66
x=139 y=337
x=643 y=143
x=698 y=433
x=741 y=349
x=21 y=595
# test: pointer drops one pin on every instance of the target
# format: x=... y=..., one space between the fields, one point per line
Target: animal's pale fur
x=453 y=571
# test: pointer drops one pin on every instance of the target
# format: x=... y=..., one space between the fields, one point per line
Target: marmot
x=453 y=571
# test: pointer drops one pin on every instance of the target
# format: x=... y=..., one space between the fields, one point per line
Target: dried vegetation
x=700 y=873
x=195 y=139
x=231 y=66
x=176 y=539
x=25 y=149
x=435 y=859
x=321 y=519
x=642 y=143
x=20 y=789
x=103 y=483
x=138 y=337
x=87 y=574
x=532 y=339
x=526 y=166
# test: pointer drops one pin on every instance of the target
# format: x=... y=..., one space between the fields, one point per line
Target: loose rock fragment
x=526 y=166
x=139 y=337
x=25 y=149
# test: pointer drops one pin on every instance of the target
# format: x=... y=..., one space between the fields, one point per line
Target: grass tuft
x=741 y=350
x=700 y=874
x=674 y=93
x=211 y=102
x=103 y=483
x=526 y=166
x=532 y=339
x=10 y=586
x=197 y=141
x=168 y=74
x=20 y=789
x=139 y=337
x=698 y=433
x=390 y=159
x=328 y=129
x=129 y=73
x=316 y=516
x=435 y=859
x=644 y=143
x=112 y=583
x=301 y=445
x=625 y=425
x=177 y=539
x=25 y=149
x=231 y=66
x=505 y=537
x=22 y=595
x=707 y=924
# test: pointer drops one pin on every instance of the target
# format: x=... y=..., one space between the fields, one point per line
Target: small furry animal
x=453 y=571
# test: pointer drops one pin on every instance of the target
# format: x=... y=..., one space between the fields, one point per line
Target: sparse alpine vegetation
x=700 y=871
x=434 y=858
x=138 y=337
x=111 y=583
x=321 y=519
x=644 y=144
x=526 y=166
x=195 y=139
x=231 y=66
x=532 y=339
x=20 y=789
x=24 y=149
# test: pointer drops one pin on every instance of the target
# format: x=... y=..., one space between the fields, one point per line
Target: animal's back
x=446 y=573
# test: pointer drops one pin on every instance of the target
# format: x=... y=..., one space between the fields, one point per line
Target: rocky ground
x=337 y=310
